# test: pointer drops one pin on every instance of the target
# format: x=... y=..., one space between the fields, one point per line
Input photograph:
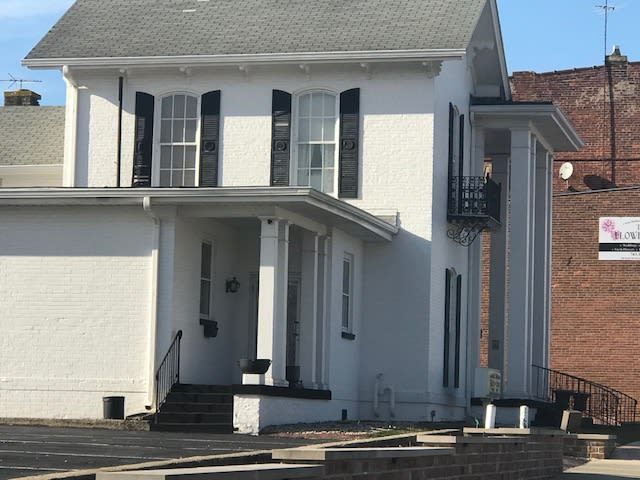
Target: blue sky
x=539 y=35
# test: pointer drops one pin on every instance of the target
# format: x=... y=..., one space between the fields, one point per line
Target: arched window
x=314 y=159
x=178 y=145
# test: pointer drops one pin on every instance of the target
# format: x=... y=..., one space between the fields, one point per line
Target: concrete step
x=194 y=388
x=183 y=397
x=222 y=428
x=197 y=407
x=221 y=418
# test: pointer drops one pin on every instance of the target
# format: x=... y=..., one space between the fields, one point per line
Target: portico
x=519 y=141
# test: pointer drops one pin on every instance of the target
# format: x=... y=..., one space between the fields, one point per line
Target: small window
x=347 y=293
x=315 y=153
x=178 y=141
x=205 y=280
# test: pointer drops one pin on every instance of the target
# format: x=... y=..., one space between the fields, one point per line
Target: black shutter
x=349 y=143
x=461 y=149
x=143 y=142
x=209 y=138
x=456 y=371
x=447 y=313
x=280 y=138
x=452 y=119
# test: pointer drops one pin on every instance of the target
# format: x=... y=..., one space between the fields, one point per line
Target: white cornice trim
x=512 y=113
x=278 y=196
x=500 y=47
x=247 y=59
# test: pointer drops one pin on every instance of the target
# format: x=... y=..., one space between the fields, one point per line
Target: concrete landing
x=627 y=452
x=604 y=470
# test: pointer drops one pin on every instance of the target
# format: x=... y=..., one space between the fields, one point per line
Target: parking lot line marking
x=89 y=455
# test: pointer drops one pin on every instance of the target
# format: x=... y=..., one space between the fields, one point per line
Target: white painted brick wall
x=74 y=284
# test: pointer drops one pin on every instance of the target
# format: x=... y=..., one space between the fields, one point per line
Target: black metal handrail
x=473 y=197
x=603 y=404
x=168 y=373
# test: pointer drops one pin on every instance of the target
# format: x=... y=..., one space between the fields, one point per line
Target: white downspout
x=376 y=395
x=392 y=401
x=153 y=301
x=71 y=129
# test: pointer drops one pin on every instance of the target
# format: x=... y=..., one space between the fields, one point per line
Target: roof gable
x=173 y=28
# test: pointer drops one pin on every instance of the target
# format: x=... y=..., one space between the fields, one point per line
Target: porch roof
x=301 y=205
x=546 y=118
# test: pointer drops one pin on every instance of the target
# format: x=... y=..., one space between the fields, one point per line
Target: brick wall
x=595 y=328
x=603 y=104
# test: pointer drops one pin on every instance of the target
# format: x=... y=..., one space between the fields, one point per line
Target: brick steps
x=196 y=408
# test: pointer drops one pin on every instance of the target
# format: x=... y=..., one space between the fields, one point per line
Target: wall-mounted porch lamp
x=233 y=285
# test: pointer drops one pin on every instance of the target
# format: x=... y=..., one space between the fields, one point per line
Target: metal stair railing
x=603 y=404
x=168 y=373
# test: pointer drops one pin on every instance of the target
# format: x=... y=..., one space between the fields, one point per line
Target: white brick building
x=336 y=162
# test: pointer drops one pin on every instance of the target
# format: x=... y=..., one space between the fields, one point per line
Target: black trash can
x=113 y=408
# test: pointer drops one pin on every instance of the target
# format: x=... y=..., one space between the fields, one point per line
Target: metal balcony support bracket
x=473 y=206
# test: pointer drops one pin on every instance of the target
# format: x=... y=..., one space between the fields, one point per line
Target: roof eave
x=532 y=112
x=250 y=59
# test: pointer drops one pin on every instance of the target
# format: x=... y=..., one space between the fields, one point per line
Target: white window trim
x=210 y=280
x=293 y=160
x=157 y=129
x=347 y=257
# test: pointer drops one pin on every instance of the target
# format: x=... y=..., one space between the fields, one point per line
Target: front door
x=293 y=324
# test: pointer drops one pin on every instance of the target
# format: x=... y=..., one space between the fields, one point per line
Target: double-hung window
x=178 y=141
x=347 y=293
x=206 y=278
x=315 y=129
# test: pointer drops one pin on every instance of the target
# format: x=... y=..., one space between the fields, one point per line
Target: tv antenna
x=13 y=80
x=606 y=8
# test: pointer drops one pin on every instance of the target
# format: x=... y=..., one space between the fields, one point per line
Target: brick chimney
x=21 y=98
x=616 y=56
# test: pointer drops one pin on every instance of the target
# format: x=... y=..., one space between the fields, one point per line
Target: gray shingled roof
x=31 y=135
x=150 y=28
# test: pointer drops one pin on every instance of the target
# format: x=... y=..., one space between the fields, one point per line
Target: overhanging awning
x=302 y=205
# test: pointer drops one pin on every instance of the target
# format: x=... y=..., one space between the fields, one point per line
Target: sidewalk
x=624 y=464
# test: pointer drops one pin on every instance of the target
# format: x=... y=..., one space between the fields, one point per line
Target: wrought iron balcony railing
x=473 y=199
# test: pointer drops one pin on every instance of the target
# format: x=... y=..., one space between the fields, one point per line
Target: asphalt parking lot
x=27 y=451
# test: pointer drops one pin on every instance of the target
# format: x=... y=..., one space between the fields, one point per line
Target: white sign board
x=619 y=238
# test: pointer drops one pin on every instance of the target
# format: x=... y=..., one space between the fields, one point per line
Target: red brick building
x=595 y=326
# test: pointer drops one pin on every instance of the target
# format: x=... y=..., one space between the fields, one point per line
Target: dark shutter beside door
x=209 y=139
x=447 y=326
x=143 y=142
x=349 y=143
x=456 y=366
x=461 y=148
x=280 y=138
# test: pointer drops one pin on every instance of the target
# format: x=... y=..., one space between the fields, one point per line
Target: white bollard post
x=490 y=416
x=524 y=416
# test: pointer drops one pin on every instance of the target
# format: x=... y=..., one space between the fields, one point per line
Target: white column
x=541 y=302
x=323 y=336
x=309 y=310
x=272 y=299
x=472 y=360
x=518 y=365
x=498 y=268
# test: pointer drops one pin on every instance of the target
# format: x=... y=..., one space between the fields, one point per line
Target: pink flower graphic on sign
x=609 y=226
